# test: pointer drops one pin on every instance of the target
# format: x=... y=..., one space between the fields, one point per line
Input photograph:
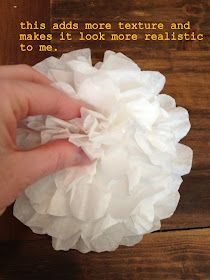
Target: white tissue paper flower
x=131 y=132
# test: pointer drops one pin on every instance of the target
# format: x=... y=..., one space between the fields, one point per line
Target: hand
x=24 y=92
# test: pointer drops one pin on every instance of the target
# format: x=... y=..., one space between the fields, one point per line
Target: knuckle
x=4 y=88
x=24 y=67
x=59 y=161
x=54 y=163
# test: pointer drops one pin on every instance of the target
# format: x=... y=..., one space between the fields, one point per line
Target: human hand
x=25 y=92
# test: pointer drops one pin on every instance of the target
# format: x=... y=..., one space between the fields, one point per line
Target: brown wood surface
x=12 y=12
x=181 y=249
x=174 y=255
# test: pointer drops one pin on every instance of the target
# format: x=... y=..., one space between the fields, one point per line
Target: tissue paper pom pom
x=131 y=132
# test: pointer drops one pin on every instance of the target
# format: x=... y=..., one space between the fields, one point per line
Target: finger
x=22 y=72
x=27 y=98
x=26 y=167
x=48 y=158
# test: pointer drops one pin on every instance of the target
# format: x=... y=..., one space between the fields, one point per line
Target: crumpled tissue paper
x=131 y=132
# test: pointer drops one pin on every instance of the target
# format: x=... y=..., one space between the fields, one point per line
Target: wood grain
x=12 y=12
x=197 y=12
x=167 y=255
x=179 y=250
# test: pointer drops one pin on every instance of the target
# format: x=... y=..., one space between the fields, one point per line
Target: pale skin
x=25 y=92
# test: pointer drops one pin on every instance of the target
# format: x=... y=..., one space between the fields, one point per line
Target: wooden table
x=181 y=250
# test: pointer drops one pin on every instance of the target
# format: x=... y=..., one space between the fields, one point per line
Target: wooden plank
x=167 y=255
x=171 y=253
x=197 y=12
x=11 y=14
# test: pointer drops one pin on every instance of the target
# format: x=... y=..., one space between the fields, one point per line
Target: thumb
x=22 y=168
x=31 y=165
